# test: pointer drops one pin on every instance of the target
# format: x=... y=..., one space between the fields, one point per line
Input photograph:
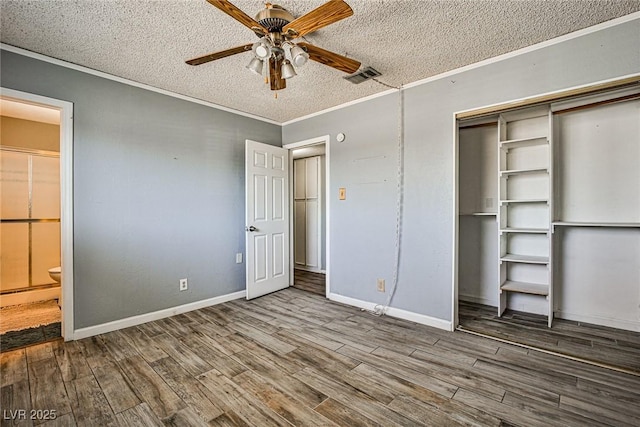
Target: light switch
x=342 y=194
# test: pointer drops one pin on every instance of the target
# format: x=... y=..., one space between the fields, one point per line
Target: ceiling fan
x=276 y=29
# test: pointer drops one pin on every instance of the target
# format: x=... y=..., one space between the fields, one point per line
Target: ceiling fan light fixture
x=298 y=56
x=276 y=28
x=287 y=70
x=255 y=66
x=261 y=49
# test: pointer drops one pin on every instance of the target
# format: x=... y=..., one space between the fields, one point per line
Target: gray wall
x=158 y=192
x=362 y=227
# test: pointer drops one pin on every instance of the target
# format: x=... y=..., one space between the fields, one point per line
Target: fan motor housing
x=273 y=18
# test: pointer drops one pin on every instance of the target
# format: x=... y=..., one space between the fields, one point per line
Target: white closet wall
x=308 y=189
x=597 y=223
x=478 y=249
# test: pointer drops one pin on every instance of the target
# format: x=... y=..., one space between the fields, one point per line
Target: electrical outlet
x=380 y=285
x=239 y=258
x=184 y=285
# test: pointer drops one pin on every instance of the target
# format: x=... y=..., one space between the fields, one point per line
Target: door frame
x=66 y=196
x=325 y=139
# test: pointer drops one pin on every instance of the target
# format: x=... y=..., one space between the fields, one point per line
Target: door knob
x=251 y=228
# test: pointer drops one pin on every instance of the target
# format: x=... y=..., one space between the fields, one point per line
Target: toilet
x=55 y=273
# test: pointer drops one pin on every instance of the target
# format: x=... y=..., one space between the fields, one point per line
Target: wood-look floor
x=599 y=344
x=309 y=281
x=294 y=358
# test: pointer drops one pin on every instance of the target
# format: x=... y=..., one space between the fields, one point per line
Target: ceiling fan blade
x=217 y=55
x=231 y=10
x=328 y=13
x=331 y=59
x=275 y=74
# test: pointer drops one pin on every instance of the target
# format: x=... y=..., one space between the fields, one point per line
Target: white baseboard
x=150 y=317
x=628 y=325
x=477 y=300
x=27 y=297
x=395 y=312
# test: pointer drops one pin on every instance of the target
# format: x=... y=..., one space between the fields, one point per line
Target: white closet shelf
x=596 y=224
x=525 y=288
x=525 y=259
x=502 y=202
x=479 y=214
x=524 y=171
x=524 y=142
x=525 y=230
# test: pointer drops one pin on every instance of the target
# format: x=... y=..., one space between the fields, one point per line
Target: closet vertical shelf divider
x=525 y=188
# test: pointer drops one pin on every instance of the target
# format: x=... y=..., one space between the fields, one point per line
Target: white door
x=267 y=218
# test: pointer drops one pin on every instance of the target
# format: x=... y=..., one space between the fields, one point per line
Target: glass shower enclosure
x=29 y=218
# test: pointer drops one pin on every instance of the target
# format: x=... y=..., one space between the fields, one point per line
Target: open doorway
x=36 y=219
x=309 y=206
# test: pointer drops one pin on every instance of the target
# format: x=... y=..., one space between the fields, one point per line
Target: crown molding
x=585 y=31
x=579 y=33
x=83 y=69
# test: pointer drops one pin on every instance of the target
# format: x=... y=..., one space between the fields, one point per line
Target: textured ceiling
x=148 y=42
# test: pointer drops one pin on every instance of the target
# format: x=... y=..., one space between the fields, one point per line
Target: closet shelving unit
x=525 y=189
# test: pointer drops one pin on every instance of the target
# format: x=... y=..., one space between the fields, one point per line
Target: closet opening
x=547 y=227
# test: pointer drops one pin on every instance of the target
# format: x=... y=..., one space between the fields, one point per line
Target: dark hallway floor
x=311 y=282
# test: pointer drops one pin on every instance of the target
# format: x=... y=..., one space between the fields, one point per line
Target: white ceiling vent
x=363 y=75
